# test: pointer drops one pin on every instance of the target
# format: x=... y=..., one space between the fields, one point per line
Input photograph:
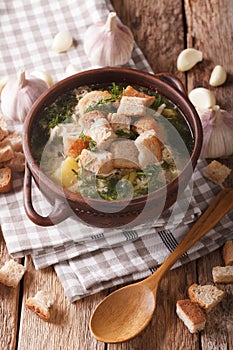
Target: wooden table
x=161 y=29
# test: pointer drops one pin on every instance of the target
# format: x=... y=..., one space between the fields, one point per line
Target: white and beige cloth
x=88 y=259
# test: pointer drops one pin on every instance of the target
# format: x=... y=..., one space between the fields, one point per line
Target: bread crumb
x=217 y=172
x=11 y=273
x=40 y=304
x=227 y=253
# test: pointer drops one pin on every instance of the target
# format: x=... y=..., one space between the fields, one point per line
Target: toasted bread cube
x=132 y=106
x=222 y=274
x=102 y=133
x=119 y=122
x=217 y=172
x=96 y=162
x=65 y=174
x=191 y=314
x=125 y=154
x=148 y=123
x=40 y=304
x=91 y=99
x=73 y=146
x=5 y=180
x=149 y=148
x=130 y=91
x=206 y=296
x=17 y=163
x=15 y=141
x=6 y=152
x=88 y=119
x=227 y=252
x=3 y=128
x=11 y=273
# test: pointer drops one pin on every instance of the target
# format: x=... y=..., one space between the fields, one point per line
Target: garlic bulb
x=18 y=96
x=108 y=44
x=217 y=133
x=3 y=82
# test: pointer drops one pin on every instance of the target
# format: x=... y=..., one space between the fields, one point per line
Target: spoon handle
x=218 y=208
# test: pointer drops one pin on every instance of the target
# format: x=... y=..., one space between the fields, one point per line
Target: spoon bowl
x=125 y=313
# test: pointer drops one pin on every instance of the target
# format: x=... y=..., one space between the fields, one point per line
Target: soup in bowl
x=111 y=146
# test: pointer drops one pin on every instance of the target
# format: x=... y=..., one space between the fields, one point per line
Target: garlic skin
x=202 y=98
x=188 y=58
x=217 y=127
x=19 y=94
x=45 y=76
x=218 y=76
x=62 y=42
x=108 y=44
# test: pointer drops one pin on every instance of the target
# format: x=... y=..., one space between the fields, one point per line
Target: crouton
x=149 y=148
x=3 y=128
x=88 y=119
x=91 y=99
x=132 y=106
x=11 y=273
x=206 y=296
x=148 y=123
x=131 y=92
x=191 y=314
x=125 y=154
x=17 y=163
x=119 y=122
x=5 y=180
x=74 y=146
x=40 y=304
x=102 y=133
x=217 y=172
x=222 y=274
x=6 y=152
x=15 y=141
x=96 y=162
x=227 y=253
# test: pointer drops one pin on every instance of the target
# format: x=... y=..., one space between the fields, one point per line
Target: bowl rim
x=154 y=79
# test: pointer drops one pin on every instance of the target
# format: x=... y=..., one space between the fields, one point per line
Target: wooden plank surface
x=161 y=29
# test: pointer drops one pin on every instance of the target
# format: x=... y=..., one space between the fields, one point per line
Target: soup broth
x=112 y=142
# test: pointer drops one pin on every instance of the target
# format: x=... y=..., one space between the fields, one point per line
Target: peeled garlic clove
x=202 y=98
x=188 y=58
x=218 y=76
x=108 y=43
x=3 y=82
x=62 y=42
x=45 y=76
x=71 y=70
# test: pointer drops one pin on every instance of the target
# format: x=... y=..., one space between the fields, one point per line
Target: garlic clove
x=108 y=43
x=62 y=42
x=188 y=58
x=218 y=76
x=45 y=76
x=71 y=70
x=3 y=82
x=202 y=98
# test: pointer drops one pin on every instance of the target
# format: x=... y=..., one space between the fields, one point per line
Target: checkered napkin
x=88 y=259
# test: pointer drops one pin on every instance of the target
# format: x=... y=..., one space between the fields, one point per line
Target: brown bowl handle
x=173 y=81
x=59 y=212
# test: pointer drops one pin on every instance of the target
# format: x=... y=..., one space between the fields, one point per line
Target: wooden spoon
x=126 y=312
